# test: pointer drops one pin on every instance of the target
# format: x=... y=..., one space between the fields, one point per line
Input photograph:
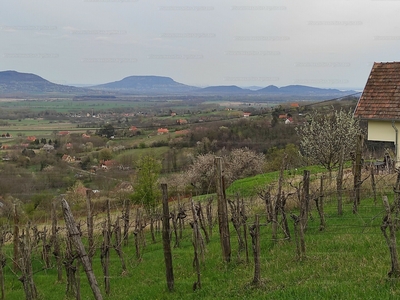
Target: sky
x=321 y=43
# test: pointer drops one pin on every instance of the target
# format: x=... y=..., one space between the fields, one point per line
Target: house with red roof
x=181 y=121
x=63 y=133
x=162 y=131
x=379 y=104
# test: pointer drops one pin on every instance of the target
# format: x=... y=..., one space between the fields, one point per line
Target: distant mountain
x=145 y=84
x=223 y=89
x=302 y=90
x=290 y=92
x=15 y=83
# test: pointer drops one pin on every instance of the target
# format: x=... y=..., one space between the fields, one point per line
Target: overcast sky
x=322 y=43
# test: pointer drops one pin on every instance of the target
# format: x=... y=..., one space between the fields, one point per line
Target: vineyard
x=291 y=239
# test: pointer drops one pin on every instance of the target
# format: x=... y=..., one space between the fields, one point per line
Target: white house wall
x=382 y=131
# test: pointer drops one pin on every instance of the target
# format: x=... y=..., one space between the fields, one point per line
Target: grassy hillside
x=348 y=260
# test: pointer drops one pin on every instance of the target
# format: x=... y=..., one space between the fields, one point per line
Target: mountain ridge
x=16 y=83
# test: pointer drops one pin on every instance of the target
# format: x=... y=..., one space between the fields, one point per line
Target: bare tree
x=240 y=163
x=325 y=136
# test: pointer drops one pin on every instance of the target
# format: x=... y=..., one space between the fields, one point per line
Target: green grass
x=249 y=186
x=68 y=105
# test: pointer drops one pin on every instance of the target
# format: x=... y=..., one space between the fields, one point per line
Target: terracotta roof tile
x=381 y=96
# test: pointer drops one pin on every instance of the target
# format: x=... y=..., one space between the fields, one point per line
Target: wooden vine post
x=55 y=242
x=357 y=174
x=391 y=239
x=89 y=208
x=373 y=183
x=319 y=200
x=299 y=237
x=127 y=206
x=166 y=239
x=197 y=240
x=339 y=184
x=222 y=212
x=244 y=219
x=16 y=239
x=255 y=238
x=77 y=242
x=305 y=200
x=105 y=249
x=26 y=265
x=3 y=260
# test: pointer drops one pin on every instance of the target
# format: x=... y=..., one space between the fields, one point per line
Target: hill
x=13 y=83
x=302 y=91
x=224 y=89
x=145 y=84
x=16 y=84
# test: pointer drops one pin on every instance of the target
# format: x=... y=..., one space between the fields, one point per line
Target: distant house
x=68 y=158
x=85 y=136
x=289 y=120
x=162 y=131
x=133 y=128
x=63 y=133
x=294 y=105
x=181 y=121
x=379 y=104
x=283 y=116
x=69 y=146
x=31 y=138
x=173 y=114
x=246 y=114
x=48 y=147
x=108 y=164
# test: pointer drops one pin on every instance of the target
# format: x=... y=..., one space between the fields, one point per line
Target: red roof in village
x=110 y=163
x=31 y=138
x=162 y=130
x=63 y=132
x=380 y=99
x=295 y=105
